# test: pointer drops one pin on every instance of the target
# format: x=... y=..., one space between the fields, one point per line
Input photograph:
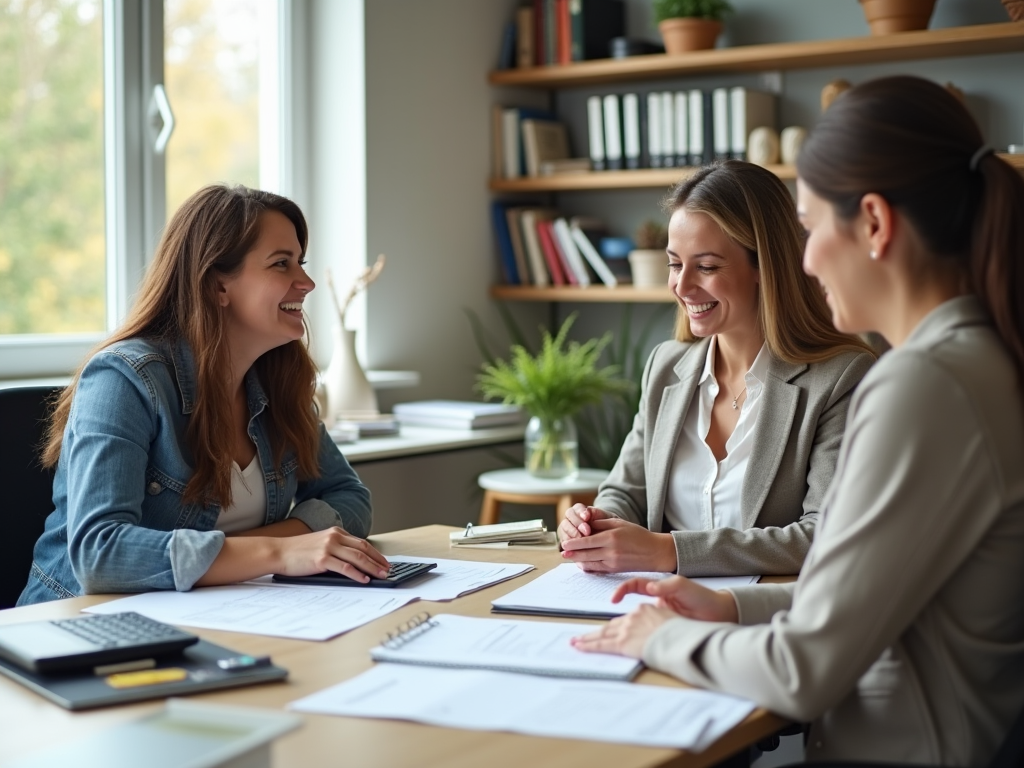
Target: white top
x=248 y=508
x=704 y=493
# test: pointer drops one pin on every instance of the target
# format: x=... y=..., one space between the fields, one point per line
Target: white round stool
x=518 y=486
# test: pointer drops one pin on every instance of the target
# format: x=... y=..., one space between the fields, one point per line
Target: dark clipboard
x=85 y=690
x=554 y=613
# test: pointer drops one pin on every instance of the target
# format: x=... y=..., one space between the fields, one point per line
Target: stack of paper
x=625 y=713
x=454 y=414
x=527 y=532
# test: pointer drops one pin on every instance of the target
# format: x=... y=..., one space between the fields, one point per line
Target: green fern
x=560 y=380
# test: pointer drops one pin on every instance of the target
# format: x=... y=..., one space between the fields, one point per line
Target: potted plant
x=648 y=261
x=552 y=386
x=690 y=25
x=888 y=16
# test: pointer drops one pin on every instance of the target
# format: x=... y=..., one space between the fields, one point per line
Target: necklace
x=735 y=400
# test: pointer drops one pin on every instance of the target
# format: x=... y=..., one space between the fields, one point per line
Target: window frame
x=135 y=172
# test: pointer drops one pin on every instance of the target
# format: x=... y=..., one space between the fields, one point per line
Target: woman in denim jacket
x=187 y=449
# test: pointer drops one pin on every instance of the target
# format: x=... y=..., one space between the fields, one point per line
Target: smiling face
x=711 y=276
x=839 y=260
x=262 y=301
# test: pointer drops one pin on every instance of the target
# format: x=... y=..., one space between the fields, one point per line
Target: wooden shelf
x=644 y=178
x=977 y=40
x=592 y=294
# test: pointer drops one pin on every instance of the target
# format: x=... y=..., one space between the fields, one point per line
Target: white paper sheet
x=451 y=579
x=511 y=645
x=310 y=613
x=568 y=591
x=626 y=713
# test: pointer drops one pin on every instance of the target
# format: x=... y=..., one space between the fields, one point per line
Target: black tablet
x=399 y=574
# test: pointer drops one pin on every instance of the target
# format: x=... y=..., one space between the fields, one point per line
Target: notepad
x=505 y=645
x=568 y=591
x=523 y=532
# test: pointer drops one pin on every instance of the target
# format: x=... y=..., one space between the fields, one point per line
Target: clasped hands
x=600 y=543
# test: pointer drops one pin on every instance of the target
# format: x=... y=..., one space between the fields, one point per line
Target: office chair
x=27 y=487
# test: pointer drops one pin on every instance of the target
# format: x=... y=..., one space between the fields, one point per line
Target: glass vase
x=552 y=447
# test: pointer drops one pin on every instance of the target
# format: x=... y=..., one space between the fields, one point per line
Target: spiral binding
x=409 y=631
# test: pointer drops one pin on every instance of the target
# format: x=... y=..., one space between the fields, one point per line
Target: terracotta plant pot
x=683 y=35
x=888 y=16
x=1015 y=9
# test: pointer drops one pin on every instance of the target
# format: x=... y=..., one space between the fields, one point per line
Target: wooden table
x=29 y=723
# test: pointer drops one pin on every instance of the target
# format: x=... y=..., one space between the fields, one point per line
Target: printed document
x=309 y=613
x=451 y=579
x=626 y=713
x=568 y=591
x=510 y=645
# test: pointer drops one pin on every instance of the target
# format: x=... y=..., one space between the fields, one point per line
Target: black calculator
x=69 y=644
x=398 y=574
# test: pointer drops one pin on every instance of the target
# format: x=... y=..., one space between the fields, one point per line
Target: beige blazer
x=903 y=638
x=796 y=443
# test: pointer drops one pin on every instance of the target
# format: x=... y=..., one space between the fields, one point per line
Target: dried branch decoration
x=361 y=283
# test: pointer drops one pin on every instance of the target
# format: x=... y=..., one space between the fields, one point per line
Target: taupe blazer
x=903 y=638
x=796 y=443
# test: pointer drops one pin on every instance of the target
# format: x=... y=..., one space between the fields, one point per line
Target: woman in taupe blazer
x=903 y=638
x=740 y=420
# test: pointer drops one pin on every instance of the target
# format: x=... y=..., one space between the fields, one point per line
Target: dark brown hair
x=755 y=210
x=912 y=142
x=207 y=238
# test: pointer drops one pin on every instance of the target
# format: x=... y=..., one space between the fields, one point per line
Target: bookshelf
x=978 y=40
x=590 y=295
x=645 y=178
x=975 y=40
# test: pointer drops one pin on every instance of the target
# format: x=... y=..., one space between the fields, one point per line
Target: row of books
x=561 y=31
x=538 y=247
x=665 y=129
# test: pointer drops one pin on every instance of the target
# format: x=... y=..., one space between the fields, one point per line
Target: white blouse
x=248 y=508
x=704 y=493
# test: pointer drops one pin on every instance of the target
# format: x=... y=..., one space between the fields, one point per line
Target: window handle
x=160 y=115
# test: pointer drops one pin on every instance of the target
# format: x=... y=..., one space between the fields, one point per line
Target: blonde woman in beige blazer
x=903 y=638
x=740 y=420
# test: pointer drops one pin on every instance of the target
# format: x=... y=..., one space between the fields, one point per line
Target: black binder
x=85 y=690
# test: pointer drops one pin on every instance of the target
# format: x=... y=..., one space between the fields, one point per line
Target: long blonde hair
x=206 y=239
x=754 y=209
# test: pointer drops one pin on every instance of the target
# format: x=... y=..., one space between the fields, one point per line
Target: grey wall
x=427 y=161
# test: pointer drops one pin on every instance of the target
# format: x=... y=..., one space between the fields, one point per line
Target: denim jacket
x=119 y=523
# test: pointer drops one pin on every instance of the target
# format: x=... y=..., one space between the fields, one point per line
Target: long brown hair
x=755 y=210
x=206 y=239
x=915 y=144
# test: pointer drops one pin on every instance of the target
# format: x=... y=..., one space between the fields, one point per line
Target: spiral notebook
x=506 y=645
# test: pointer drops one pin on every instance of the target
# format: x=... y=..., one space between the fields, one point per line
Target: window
x=111 y=114
x=52 y=241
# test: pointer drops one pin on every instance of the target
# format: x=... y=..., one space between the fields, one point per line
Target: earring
x=873 y=255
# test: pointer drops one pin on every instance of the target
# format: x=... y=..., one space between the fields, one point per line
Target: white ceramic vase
x=349 y=394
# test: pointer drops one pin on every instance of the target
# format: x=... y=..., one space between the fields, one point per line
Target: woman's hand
x=330 y=550
x=577 y=522
x=627 y=635
x=677 y=596
x=614 y=546
x=684 y=597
